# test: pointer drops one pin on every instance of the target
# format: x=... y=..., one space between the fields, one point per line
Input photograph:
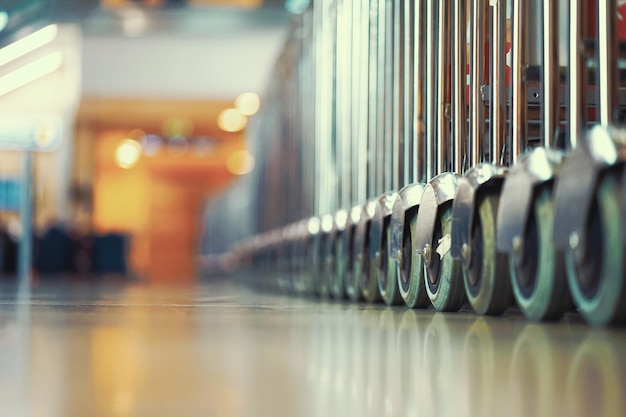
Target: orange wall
x=159 y=201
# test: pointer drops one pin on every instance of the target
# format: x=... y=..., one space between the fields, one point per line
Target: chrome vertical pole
x=459 y=104
x=443 y=64
x=407 y=87
x=419 y=137
x=431 y=168
x=607 y=60
x=353 y=15
x=519 y=91
x=577 y=73
x=25 y=254
x=376 y=93
x=395 y=19
x=388 y=136
x=550 y=73
x=497 y=105
x=477 y=79
x=360 y=104
x=342 y=84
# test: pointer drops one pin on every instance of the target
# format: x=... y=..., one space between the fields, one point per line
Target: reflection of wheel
x=596 y=280
x=411 y=269
x=600 y=355
x=538 y=276
x=387 y=274
x=444 y=275
x=487 y=281
x=479 y=358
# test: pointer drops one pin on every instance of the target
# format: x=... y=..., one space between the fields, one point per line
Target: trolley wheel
x=444 y=276
x=487 y=281
x=337 y=286
x=596 y=282
x=411 y=271
x=538 y=279
x=353 y=278
x=369 y=280
x=387 y=274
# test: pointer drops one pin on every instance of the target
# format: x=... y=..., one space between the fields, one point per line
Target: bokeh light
x=4 y=20
x=240 y=162
x=248 y=103
x=128 y=153
x=231 y=120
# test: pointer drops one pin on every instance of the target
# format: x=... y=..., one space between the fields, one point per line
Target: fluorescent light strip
x=28 y=44
x=30 y=72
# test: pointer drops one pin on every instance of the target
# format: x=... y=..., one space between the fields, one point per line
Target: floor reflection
x=413 y=363
x=136 y=351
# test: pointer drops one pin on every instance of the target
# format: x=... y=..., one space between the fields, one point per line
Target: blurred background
x=138 y=116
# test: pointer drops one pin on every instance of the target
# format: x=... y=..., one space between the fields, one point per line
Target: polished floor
x=221 y=350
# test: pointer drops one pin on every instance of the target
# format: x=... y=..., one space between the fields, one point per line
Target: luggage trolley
x=452 y=153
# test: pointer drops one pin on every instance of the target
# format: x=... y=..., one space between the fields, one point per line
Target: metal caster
x=485 y=271
x=353 y=266
x=596 y=279
x=589 y=226
x=312 y=264
x=326 y=265
x=443 y=274
x=340 y=254
x=403 y=228
x=384 y=262
x=525 y=232
x=364 y=266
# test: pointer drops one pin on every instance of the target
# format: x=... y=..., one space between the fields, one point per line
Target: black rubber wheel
x=353 y=270
x=325 y=267
x=387 y=273
x=596 y=282
x=369 y=280
x=538 y=280
x=443 y=276
x=411 y=270
x=487 y=281
x=337 y=279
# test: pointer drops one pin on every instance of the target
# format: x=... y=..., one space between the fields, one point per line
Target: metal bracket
x=534 y=169
x=476 y=181
x=438 y=191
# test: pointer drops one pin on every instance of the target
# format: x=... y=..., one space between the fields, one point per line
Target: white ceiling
x=192 y=54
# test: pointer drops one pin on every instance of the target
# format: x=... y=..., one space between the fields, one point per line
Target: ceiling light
x=231 y=120
x=27 y=44
x=134 y=21
x=240 y=162
x=128 y=153
x=30 y=72
x=248 y=103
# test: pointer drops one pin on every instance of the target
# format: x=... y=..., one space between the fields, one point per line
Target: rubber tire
x=604 y=260
x=325 y=268
x=387 y=273
x=411 y=274
x=449 y=294
x=549 y=298
x=337 y=279
x=353 y=272
x=492 y=293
